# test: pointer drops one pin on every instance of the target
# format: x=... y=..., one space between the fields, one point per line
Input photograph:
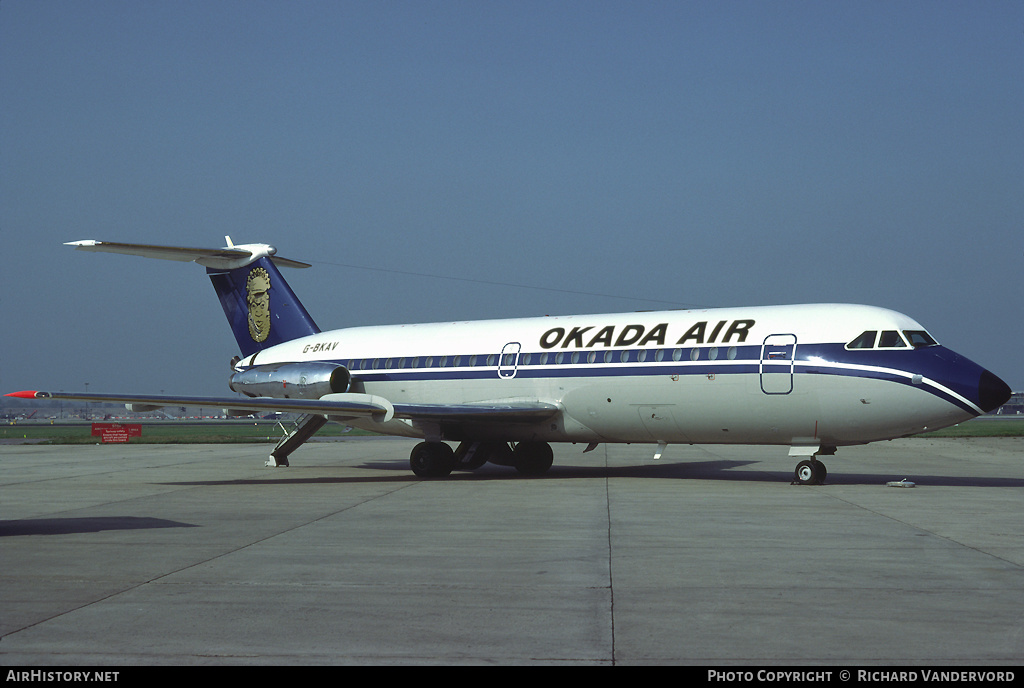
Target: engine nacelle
x=292 y=380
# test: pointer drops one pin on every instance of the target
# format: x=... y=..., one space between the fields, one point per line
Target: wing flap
x=498 y=412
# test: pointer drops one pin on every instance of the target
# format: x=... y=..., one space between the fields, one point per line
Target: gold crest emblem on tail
x=257 y=297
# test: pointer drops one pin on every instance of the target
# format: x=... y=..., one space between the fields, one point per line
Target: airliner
x=808 y=377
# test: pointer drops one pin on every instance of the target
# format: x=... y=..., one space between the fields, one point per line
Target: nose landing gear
x=810 y=472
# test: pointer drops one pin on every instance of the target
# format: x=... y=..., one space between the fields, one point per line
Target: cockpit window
x=919 y=338
x=865 y=341
x=890 y=339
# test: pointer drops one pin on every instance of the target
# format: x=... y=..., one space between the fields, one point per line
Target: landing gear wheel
x=432 y=460
x=810 y=473
x=472 y=450
x=498 y=453
x=533 y=458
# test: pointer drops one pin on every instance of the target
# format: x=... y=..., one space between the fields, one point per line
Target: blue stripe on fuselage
x=935 y=363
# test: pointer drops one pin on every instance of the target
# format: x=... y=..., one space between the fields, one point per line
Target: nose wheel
x=810 y=472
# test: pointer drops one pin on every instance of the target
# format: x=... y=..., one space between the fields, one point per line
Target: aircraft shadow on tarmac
x=728 y=470
x=70 y=526
x=719 y=470
x=680 y=471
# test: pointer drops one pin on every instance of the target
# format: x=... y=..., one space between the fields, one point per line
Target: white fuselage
x=761 y=375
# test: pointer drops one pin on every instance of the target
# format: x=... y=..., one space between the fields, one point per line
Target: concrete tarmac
x=188 y=555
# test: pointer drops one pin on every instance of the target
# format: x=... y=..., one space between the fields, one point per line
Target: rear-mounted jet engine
x=310 y=380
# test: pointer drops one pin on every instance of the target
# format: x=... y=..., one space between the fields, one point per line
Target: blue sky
x=463 y=160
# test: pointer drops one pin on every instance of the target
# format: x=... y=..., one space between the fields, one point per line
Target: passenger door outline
x=509 y=360
x=778 y=359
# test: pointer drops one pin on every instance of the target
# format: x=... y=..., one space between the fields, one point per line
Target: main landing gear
x=437 y=459
x=432 y=460
x=532 y=458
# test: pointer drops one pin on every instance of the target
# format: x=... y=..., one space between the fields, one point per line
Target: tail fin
x=262 y=309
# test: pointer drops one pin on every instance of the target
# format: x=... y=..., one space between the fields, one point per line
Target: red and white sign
x=116 y=432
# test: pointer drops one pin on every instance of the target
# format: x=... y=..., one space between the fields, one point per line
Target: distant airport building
x=1015 y=406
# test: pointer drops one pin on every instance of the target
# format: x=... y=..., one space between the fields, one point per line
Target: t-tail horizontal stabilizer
x=261 y=308
x=227 y=258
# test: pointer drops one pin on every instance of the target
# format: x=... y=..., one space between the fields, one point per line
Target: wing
x=336 y=406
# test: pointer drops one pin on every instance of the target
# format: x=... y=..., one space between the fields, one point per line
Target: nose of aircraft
x=992 y=392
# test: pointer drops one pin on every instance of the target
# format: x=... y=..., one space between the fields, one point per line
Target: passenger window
x=919 y=338
x=865 y=341
x=890 y=339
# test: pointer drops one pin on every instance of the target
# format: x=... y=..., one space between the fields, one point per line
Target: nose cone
x=992 y=392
